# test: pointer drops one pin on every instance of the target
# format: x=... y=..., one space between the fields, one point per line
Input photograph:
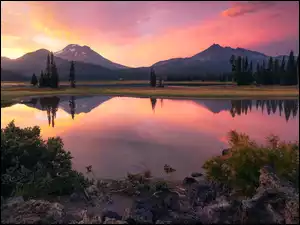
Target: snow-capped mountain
x=87 y=55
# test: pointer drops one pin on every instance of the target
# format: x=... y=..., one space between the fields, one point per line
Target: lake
x=117 y=135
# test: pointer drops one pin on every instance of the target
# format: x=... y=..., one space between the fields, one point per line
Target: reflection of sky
x=123 y=134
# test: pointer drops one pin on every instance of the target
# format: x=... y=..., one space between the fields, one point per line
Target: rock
x=225 y=151
x=110 y=214
x=142 y=216
x=11 y=202
x=92 y=190
x=76 y=197
x=196 y=174
x=221 y=212
x=114 y=221
x=34 y=211
x=171 y=201
x=163 y=222
x=189 y=181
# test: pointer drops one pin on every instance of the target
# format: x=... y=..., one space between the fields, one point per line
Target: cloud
x=242 y=8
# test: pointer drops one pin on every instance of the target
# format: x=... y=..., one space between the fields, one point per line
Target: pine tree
x=152 y=78
x=276 y=72
x=246 y=64
x=282 y=72
x=233 y=66
x=54 y=74
x=291 y=70
x=72 y=75
x=41 y=80
x=243 y=65
x=47 y=75
x=258 y=74
x=34 y=80
x=269 y=73
x=251 y=68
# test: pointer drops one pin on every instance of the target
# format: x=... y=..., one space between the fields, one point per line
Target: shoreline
x=15 y=95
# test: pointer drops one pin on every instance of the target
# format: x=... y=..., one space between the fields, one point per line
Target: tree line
x=273 y=72
x=50 y=77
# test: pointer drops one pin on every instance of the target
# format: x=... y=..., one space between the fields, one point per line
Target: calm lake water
x=117 y=135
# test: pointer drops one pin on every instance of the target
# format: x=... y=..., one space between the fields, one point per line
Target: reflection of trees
x=50 y=104
x=161 y=103
x=288 y=107
x=72 y=106
x=153 y=103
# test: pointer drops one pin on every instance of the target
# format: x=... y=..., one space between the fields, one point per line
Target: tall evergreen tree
x=291 y=70
x=72 y=75
x=282 y=72
x=233 y=66
x=251 y=68
x=258 y=74
x=54 y=74
x=34 y=80
x=246 y=64
x=243 y=65
x=41 y=80
x=269 y=73
x=152 y=78
x=47 y=74
x=276 y=72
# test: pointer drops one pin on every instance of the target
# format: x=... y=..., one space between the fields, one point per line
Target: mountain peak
x=215 y=46
x=74 y=52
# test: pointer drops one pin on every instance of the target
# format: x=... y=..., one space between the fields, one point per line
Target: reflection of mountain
x=215 y=106
x=83 y=104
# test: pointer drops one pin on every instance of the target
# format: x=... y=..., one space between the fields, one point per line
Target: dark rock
x=34 y=211
x=110 y=214
x=11 y=202
x=76 y=197
x=189 y=181
x=196 y=174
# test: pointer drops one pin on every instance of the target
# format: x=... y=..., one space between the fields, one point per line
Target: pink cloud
x=241 y=8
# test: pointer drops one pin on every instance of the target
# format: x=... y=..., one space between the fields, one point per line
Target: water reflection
x=289 y=107
x=286 y=108
x=120 y=135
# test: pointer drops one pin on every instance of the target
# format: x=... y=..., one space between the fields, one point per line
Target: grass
x=12 y=94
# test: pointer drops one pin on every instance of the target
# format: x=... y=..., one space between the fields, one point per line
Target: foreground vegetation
x=239 y=166
x=11 y=94
x=32 y=167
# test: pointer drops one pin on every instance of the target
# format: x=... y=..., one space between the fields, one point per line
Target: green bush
x=32 y=167
x=240 y=168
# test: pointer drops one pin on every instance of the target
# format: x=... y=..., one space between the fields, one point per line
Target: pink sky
x=142 y=33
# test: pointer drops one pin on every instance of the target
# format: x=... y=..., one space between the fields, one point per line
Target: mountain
x=7 y=75
x=35 y=62
x=213 y=60
x=86 y=54
x=89 y=65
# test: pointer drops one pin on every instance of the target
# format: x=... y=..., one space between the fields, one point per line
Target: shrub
x=32 y=167
x=240 y=168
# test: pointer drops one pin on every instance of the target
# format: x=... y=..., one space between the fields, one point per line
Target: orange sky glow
x=142 y=33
